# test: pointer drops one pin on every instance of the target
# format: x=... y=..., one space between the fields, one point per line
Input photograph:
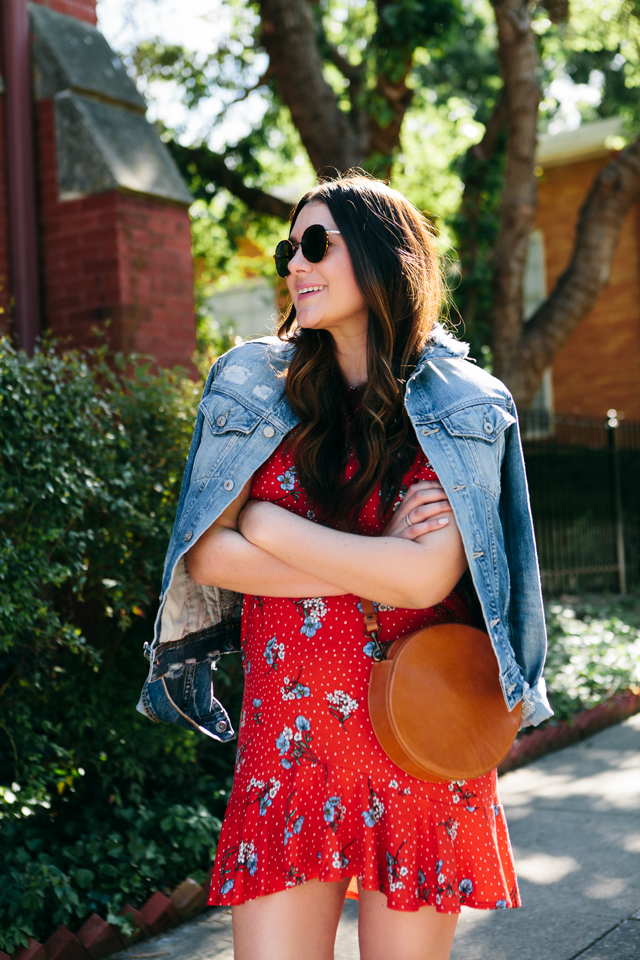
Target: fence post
x=614 y=460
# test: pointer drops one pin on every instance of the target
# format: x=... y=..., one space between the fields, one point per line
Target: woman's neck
x=351 y=354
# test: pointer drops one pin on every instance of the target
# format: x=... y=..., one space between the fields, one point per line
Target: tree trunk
x=289 y=37
x=518 y=62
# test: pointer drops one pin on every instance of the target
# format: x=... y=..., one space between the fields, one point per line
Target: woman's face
x=326 y=295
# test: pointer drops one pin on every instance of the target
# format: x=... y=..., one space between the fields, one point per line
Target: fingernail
x=442 y=521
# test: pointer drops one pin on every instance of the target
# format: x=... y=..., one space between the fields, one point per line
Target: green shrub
x=98 y=806
x=594 y=650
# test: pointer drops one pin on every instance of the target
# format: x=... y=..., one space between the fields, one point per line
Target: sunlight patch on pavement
x=545 y=868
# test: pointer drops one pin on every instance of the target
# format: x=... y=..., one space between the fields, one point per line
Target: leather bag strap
x=370 y=620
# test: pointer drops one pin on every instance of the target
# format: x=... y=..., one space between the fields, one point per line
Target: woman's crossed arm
x=260 y=548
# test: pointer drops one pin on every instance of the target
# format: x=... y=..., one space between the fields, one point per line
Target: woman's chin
x=308 y=321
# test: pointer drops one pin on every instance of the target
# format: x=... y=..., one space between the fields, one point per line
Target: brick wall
x=599 y=367
x=115 y=256
x=82 y=9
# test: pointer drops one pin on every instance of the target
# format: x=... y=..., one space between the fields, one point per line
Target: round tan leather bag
x=436 y=704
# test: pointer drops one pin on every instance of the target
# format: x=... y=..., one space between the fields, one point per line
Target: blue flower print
x=396 y=873
x=329 y=809
x=496 y=810
x=226 y=887
x=294 y=689
x=465 y=887
x=376 y=809
x=273 y=652
x=287 y=479
x=421 y=877
x=368 y=648
x=266 y=793
x=301 y=739
x=283 y=741
x=439 y=866
x=312 y=611
x=295 y=829
x=501 y=904
x=247 y=858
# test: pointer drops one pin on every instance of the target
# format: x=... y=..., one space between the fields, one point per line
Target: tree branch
x=483 y=150
x=615 y=191
x=519 y=62
x=289 y=37
x=212 y=168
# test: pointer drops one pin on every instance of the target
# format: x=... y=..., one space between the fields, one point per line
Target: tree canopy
x=445 y=98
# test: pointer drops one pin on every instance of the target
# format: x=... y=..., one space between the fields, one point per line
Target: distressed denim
x=466 y=423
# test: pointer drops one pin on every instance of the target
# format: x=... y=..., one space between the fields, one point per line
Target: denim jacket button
x=488 y=427
x=228 y=485
x=221 y=421
x=221 y=726
x=269 y=432
x=187 y=536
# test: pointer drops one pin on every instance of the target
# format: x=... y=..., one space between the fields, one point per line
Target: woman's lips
x=304 y=294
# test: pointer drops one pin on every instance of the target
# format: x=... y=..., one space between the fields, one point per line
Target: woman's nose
x=299 y=263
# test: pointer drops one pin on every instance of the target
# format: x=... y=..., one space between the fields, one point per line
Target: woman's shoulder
x=449 y=380
x=263 y=360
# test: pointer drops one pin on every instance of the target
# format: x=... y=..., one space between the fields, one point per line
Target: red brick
x=62 y=945
x=159 y=913
x=99 y=938
x=34 y=951
x=189 y=898
x=142 y=929
x=4 y=956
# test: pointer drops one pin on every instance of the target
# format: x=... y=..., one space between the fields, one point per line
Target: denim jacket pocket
x=226 y=421
x=480 y=421
x=481 y=427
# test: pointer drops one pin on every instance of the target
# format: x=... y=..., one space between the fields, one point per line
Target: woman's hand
x=423 y=506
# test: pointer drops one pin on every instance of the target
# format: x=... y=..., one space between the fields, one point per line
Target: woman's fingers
x=427 y=510
x=417 y=530
x=421 y=506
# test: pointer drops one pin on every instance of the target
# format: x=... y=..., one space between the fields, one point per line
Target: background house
x=599 y=366
x=94 y=223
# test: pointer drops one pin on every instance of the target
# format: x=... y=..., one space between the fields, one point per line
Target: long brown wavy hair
x=396 y=266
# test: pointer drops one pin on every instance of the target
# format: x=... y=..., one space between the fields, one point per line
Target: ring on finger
x=407 y=522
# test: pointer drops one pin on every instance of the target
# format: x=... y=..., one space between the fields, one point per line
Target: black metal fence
x=584 y=482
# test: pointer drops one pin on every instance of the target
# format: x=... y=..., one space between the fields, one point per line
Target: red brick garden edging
x=530 y=746
x=97 y=939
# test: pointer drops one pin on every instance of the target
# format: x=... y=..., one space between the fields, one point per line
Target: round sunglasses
x=314 y=243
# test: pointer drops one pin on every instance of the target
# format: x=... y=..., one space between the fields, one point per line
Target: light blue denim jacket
x=466 y=423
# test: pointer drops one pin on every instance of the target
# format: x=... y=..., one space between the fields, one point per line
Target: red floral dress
x=314 y=795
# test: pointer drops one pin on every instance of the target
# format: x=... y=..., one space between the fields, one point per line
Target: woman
x=372 y=382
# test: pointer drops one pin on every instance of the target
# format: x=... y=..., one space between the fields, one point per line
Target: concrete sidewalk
x=574 y=819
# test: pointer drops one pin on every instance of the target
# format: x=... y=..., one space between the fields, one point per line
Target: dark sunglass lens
x=314 y=243
x=284 y=252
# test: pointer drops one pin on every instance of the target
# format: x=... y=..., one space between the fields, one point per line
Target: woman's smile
x=305 y=291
